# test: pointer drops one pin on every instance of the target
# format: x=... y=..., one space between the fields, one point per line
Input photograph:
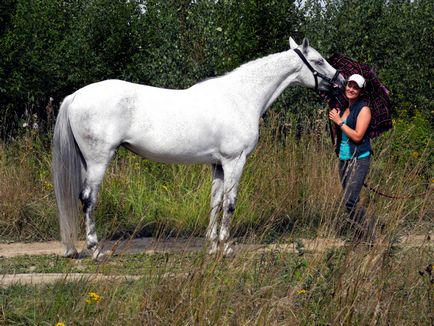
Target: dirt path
x=142 y=245
x=44 y=278
x=151 y=245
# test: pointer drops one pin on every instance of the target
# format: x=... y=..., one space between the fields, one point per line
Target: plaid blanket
x=376 y=94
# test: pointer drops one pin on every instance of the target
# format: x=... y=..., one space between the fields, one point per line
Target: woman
x=354 y=150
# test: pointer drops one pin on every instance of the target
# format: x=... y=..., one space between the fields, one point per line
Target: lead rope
x=397 y=197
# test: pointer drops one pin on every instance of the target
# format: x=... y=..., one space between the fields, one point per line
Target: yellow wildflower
x=60 y=324
x=93 y=297
x=300 y=292
x=48 y=186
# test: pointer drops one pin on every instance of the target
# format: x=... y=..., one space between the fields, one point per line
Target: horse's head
x=316 y=72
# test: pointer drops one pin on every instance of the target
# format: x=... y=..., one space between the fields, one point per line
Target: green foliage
x=418 y=130
x=51 y=48
x=394 y=37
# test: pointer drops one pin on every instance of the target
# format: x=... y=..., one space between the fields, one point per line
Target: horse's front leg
x=216 y=204
x=233 y=170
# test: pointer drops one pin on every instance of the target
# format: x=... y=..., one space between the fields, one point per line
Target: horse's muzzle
x=338 y=82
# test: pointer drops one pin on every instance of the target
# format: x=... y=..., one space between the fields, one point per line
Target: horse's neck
x=260 y=82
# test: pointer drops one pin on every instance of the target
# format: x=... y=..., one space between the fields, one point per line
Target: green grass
x=289 y=190
x=288 y=185
x=128 y=264
x=342 y=286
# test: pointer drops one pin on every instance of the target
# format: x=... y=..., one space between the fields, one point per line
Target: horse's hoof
x=100 y=256
x=85 y=253
x=71 y=253
x=213 y=248
x=228 y=250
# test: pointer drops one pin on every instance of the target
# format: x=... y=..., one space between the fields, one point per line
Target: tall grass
x=289 y=185
x=349 y=286
x=289 y=190
x=27 y=206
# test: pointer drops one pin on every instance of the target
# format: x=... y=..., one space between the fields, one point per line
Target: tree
x=50 y=48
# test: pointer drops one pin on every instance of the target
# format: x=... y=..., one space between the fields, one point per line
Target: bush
x=49 y=48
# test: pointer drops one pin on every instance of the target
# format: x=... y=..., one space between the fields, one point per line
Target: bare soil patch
x=151 y=245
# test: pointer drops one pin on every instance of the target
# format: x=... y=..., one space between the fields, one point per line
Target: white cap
x=358 y=79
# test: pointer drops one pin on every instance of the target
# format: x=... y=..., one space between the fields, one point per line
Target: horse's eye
x=319 y=62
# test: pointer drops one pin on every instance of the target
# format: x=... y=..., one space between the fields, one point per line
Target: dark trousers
x=352 y=174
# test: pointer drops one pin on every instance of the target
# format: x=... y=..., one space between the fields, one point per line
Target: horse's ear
x=305 y=45
x=292 y=43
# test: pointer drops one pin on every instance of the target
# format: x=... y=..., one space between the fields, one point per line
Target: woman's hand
x=362 y=123
x=334 y=116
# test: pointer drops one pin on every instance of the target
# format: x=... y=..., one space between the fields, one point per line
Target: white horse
x=214 y=122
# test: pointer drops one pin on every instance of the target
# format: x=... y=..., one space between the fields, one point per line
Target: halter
x=315 y=73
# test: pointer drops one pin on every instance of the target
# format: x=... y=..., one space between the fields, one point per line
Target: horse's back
x=193 y=125
x=117 y=94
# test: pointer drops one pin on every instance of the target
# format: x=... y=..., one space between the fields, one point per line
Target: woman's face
x=352 y=90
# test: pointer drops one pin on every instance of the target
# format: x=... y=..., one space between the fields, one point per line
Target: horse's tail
x=67 y=170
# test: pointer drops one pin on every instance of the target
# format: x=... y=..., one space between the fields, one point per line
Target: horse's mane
x=240 y=68
x=253 y=63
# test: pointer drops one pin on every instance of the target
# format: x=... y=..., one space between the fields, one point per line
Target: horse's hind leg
x=88 y=199
x=93 y=178
x=216 y=203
